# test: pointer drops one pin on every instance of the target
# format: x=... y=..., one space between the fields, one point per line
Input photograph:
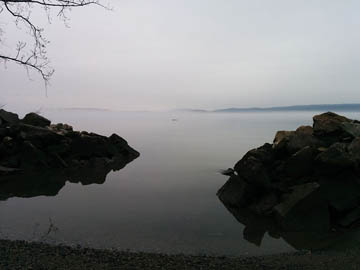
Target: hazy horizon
x=163 y=55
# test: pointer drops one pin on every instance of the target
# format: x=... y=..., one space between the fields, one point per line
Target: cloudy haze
x=165 y=54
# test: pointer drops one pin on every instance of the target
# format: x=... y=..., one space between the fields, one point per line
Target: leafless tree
x=33 y=55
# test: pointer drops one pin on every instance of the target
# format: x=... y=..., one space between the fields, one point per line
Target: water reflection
x=257 y=226
x=50 y=182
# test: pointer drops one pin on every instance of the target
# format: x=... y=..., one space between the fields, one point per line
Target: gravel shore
x=38 y=256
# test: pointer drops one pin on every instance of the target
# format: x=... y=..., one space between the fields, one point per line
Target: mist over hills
x=313 y=107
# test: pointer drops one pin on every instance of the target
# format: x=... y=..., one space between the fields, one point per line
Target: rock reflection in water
x=50 y=182
x=257 y=226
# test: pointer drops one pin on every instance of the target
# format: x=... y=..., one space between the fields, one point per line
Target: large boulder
x=281 y=139
x=236 y=192
x=296 y=195
x=253 y=166
x=289 y=142
x=331 y=128
x=353 y=128
x=8 y=117
x=293 y=213
x=35 y=119
x=335 y=157
x=301 y=163
x=91 y=145
x=328 y=123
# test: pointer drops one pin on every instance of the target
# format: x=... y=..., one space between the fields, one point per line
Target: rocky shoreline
x=304 y=187
x=16 y=255
x=34 y=144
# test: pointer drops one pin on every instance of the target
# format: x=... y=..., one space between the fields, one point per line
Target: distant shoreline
x=350 y=107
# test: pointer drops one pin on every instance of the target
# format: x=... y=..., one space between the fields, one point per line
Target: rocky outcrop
x=33 y=143
x=306 y=180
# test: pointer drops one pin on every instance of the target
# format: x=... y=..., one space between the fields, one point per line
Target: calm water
x=164 y=201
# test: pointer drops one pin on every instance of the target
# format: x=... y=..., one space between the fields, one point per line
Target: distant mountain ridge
x=314 y=107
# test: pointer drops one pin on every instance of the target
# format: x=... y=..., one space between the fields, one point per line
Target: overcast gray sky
x=165 y=54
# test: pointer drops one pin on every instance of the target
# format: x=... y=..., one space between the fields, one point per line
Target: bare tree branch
x=34 y=56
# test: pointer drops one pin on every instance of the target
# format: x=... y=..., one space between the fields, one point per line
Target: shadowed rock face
x=50 y=182
x=305 y=187
x=33 y=143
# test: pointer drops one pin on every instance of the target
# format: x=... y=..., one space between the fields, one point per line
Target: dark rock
x=8 y=142
x=57 y=161
x=354 y=149
x=253 y=166
x=61 y=148
x=35 y=144
x=303 y=210
x=8 y=117
x=350 y=218
x=264 y=153
x=328 y=123
x=353 y=129
x=61 y=127
x=342 y=192
x=297 y=194
x=87 y=146
x=335 y=157
x=32 y=157
x=331 y=128
x=34 y=119
x=73 y=134
x=254 y=172
x=40 y=137
x=293 y=141
x=116 y=139
x=7 y=170
x=236 y=192
x=264 y=206
x=301 y=163
x=301 y=138
x=281 y=140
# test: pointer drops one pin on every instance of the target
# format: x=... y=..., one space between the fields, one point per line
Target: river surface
x=165 y=200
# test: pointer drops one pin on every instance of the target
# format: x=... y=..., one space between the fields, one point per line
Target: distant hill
x=315 y=107
x=353 y=107
x=85 y=109
x=190 y=110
